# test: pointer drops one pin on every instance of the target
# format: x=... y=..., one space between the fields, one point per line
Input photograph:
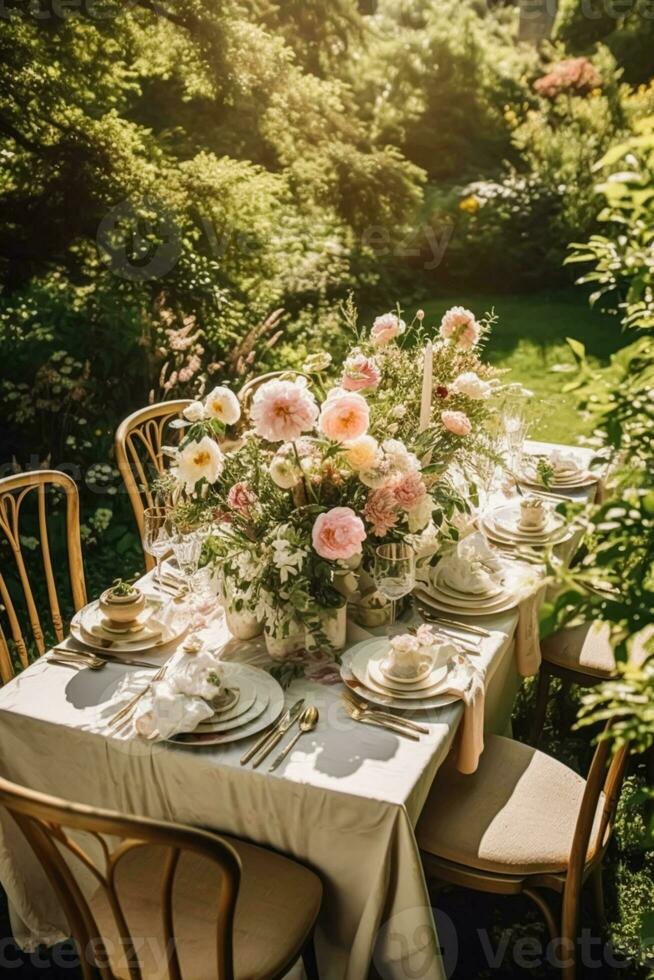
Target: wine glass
x=187 y=548
x=394 y=571
x=515 y=426
x=157 y=532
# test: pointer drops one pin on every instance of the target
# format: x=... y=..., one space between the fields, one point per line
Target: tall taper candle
x=427 y=372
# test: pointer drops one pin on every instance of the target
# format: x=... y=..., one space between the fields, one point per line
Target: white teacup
x=407 y=659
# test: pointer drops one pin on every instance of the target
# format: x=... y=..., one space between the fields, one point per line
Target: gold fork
x=361 y=705
x=124 y=715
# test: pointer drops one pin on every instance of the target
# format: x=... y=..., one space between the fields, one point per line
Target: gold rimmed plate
x=387 y=700
x=445 y=604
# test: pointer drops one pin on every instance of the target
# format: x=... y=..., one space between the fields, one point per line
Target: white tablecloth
x=345 y=802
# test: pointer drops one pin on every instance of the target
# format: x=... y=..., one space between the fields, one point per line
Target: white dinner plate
x=533 y=541
x=466 y=598
x=171 y=632
x=507 y=519
x=386 y=700
x=368 y=670
x=248 y=691
x=450 y=606
x=219 y=724
x=266 y=686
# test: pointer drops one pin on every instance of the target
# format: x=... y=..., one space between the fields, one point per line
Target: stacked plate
x=569 y=473
x=440 y=594
x=253 y=701
x=155 y=627
x=363 y=670
x=503 y=525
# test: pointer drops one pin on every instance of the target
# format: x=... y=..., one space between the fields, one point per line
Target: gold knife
x=267 y=736
x=277 y=736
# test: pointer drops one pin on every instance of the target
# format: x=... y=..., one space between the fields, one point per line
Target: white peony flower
x=420 y=516
x=197 y=461
x=362 y=453
x=471 y=385
x=223 y=404
x=399 y=456
x=194 y=412
x=283 y=471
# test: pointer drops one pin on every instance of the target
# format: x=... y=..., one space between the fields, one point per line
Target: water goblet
x=394 y=571
x=157 y=533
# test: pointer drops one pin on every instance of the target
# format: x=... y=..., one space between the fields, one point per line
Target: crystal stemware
x=187 y=548
x=157 y=533
x=394 y=571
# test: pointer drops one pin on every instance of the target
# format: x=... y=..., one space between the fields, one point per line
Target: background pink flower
x=282 y=410
x=344 y=416
x=410 y=490
x=460 y=326
x=381 y=511
x=385 y=328
x=456 y=422
x=360 y=372
x=241 y=499
x=338 y=534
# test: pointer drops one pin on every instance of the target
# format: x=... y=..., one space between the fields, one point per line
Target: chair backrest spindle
x=15 y=493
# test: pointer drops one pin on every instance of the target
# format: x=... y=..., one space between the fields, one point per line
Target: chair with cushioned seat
x=580 y=655
x=524 y=823
x=167 y=900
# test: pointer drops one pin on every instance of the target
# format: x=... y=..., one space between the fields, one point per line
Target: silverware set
x=359 y=710
x=124 y=715
x=307 y=719
x=70 y=657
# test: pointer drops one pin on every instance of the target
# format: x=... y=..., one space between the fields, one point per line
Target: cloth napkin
x=565 y=461
x=176 y=703
x=463 y=570
x=527 y=634
x=467 y=683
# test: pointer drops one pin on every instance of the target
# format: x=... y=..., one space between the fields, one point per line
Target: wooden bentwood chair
x=524 y=823
x=16 y=494
x=139 y=445
x=168 y=900
x=580 y=655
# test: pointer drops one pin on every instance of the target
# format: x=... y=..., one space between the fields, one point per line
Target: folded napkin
x=472 y=567
x=527 y=634
x=466 y=682
x=176 y=703
x=565 y=462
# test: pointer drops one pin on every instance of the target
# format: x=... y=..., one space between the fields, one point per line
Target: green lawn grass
x=530 y=341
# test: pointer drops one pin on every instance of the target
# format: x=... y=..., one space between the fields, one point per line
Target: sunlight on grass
x=529 y=341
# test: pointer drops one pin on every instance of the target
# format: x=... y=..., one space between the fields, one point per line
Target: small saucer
x=225 y=700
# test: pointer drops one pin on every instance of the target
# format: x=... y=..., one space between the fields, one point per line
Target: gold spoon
x=308 y=721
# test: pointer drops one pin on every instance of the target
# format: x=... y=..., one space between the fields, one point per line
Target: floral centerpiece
x=302 y=485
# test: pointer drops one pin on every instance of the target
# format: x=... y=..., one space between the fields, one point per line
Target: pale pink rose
x=460 y=326
x=381 y=511
x=410 y=490
x=338 y=534
x=457 y=423
x=344 y=416
x=241 y=499
x=385 y=328
x=282 y=410
x=360 y=372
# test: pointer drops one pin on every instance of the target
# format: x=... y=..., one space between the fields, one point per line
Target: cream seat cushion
x=277 y=905
x=586 y=648
x=515 y=815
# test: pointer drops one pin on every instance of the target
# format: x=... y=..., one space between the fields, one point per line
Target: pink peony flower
x=456 y=422
x=338 y=534
x=344 y=416
x=410 y=490
x=381 y=511
x=282 y=410
x=241 y=499
x=385 y=328
x=459 y=326
x=360 y=372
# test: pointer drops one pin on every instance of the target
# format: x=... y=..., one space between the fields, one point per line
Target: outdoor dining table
x=345 y=801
